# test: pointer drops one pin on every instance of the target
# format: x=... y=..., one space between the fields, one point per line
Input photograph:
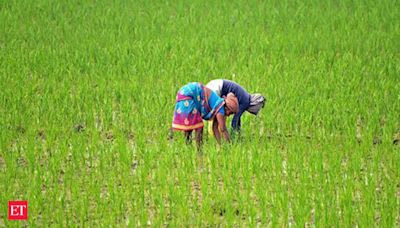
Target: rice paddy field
x=87 y=93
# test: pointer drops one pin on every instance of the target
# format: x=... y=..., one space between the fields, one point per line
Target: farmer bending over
x=195 y=102
x=247 y=102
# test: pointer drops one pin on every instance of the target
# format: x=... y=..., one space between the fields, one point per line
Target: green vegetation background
x=87 y=93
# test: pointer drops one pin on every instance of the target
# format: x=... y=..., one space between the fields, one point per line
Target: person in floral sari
x=195 y=103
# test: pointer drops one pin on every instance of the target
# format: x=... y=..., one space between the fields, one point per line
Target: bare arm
x=217 y=134
x=222 y=126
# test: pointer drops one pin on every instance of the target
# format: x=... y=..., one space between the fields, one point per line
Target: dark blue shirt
x=243 y=97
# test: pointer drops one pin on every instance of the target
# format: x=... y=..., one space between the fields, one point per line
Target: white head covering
x=257 y=102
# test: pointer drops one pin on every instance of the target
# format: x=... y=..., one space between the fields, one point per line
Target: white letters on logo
x=14 y=210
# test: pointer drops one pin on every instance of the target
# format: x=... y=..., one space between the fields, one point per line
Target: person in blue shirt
x=252 y=103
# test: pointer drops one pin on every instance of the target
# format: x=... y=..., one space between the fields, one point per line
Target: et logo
x=17 y=210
